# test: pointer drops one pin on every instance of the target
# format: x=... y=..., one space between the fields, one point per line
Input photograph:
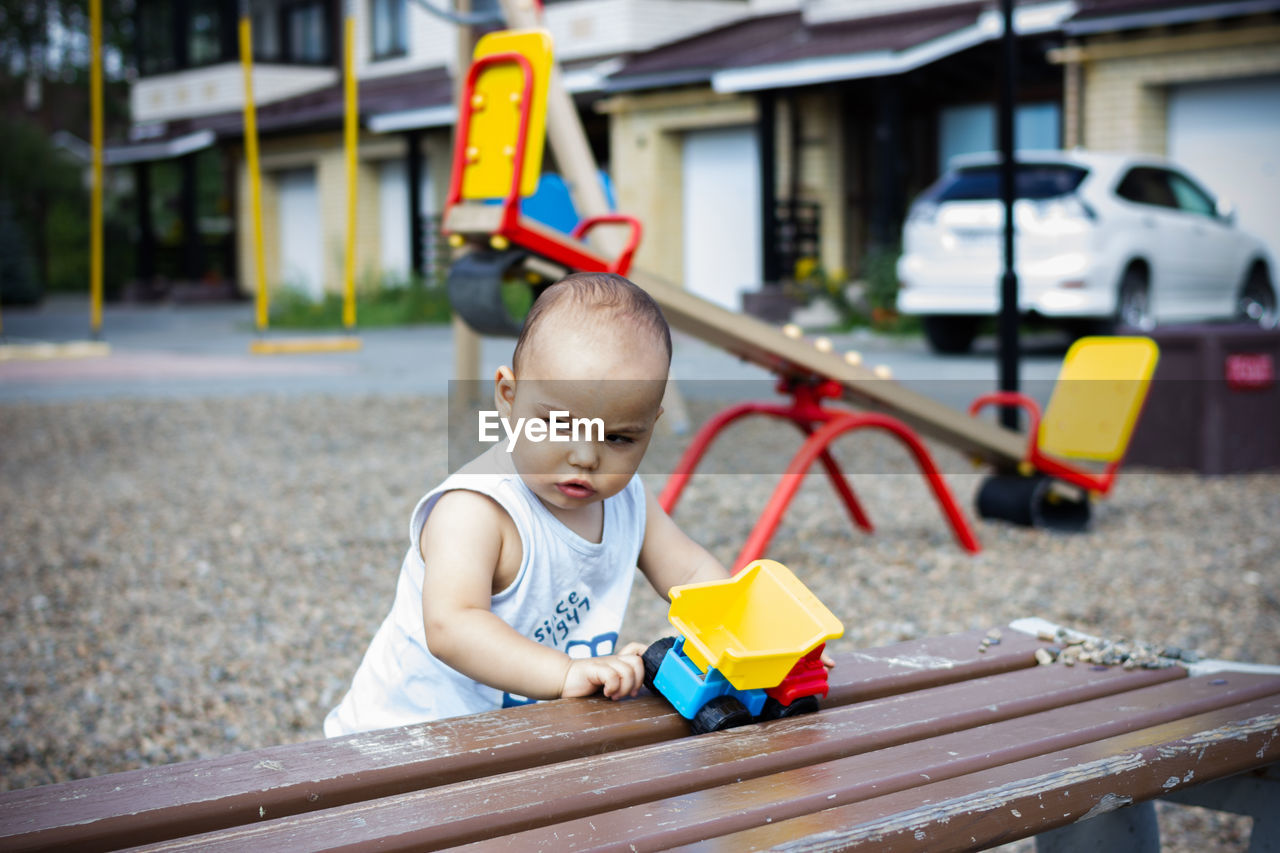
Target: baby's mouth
x=575 y=489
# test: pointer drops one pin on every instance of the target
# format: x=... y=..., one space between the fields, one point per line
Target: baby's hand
x=827 y=660
x=617 y=675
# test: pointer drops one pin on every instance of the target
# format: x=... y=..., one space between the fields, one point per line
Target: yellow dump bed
x=752 y=627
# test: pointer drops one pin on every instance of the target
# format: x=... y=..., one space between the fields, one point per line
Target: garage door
x=301 y=249
x=722 y=214
x=393 y=221
x=1228 y=133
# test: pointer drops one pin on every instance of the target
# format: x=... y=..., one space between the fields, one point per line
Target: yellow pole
x=351 y=127
x=262 y=299
x=95 y=203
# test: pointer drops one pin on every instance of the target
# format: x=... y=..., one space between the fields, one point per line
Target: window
x=306 y=32
x=266 y=35
x=204 y=36
x=157 y=52
x=1145 y=185
x=173 y=36
x=1035 y=181
x=1190 y=197
x=390 y=35
x=972 y=127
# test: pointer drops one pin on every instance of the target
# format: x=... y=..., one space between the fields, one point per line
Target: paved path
x=203 y=350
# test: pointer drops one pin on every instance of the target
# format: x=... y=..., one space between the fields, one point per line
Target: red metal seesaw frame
x=512 y=226
x=807 y=412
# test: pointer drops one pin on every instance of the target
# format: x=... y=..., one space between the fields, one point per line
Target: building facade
x=754 y=138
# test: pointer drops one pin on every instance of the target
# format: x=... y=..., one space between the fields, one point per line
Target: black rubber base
x=475 y=290
x=1032 y=502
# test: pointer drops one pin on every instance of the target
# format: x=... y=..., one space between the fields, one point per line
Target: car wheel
x=652 y=658
x=950 y=335
x=1133 y=305
x=722 y=712
x=1257 y=302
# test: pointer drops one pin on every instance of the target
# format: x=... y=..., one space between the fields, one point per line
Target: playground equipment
x=750 y=648
x=498 y=157
x=492 y=170
x=821 y=426
x=501 y=246
x=262 y=297
x=1095 y=405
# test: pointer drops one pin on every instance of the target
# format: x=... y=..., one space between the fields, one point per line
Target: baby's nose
x=582 y=454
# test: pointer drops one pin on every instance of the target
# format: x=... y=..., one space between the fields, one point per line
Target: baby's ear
x=504 y=390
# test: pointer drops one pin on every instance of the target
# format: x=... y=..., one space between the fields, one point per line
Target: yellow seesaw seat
x=752 y=627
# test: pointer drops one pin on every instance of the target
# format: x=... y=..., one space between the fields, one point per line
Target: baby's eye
x=614 y=438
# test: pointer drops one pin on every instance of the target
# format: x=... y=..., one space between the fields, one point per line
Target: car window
x=1190 y=197
x=1145 y=185
x=1034 y=181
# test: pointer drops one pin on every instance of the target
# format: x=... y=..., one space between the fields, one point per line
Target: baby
x=520 y=564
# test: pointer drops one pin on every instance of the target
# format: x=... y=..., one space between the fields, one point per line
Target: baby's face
x=610 y=386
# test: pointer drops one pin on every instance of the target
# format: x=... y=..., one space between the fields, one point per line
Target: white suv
x=1104 y=238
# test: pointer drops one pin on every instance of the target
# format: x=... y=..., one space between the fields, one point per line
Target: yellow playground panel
x=752 y=627
x=519 y=68
x=1097 y=399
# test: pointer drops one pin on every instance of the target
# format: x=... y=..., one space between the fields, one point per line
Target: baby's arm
x=466 y=543
x=668 y=557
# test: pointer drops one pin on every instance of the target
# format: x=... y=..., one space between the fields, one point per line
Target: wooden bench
x=932 y=744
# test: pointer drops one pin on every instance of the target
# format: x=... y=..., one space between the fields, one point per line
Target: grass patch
x=381 y=302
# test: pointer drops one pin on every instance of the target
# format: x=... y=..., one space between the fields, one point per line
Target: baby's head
x=601 y=310
x=596 y=347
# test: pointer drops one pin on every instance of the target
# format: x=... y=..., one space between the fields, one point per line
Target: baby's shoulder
x=471 y=530
x=462 y=513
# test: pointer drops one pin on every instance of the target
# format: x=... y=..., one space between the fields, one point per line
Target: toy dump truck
x=750 y=648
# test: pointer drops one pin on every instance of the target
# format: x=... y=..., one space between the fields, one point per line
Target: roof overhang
x=659 y=80
x=1169 y=16
x=589 y=78
x=164 y=149
x=1028 y=20
x=440 y=115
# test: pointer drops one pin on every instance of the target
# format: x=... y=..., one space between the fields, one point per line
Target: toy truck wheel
x=652 y=658
x=722 y=712
x=775 y=710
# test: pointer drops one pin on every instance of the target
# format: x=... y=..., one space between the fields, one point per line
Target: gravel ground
x=187 y=579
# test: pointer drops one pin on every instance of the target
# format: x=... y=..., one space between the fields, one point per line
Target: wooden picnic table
x=932 y=744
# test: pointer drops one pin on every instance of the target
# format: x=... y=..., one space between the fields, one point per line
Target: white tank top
x=569 y=594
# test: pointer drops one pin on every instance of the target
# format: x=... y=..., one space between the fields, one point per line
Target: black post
x=189 y=205
x=769 y=262
x=1008 y=324
x=413 y=174
x=146 y=247
x=887 y=205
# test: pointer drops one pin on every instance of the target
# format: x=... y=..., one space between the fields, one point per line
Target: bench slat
x=480 y=809
x=153 y=804
x=1028 y=797
x=738 y=806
